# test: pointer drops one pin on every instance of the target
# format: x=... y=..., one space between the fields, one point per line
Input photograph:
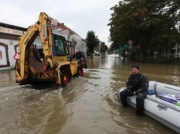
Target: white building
x=75 y=41
x=78 y=43
x=9 y=35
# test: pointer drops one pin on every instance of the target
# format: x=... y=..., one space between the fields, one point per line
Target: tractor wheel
x=65 y=79
x=80 y=71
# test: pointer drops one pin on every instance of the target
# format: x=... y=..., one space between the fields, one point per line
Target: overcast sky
x=79 y=15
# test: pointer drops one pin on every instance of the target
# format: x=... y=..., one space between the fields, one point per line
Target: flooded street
x=88 y=105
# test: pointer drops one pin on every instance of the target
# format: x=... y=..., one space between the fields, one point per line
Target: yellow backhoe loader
x=44 y=55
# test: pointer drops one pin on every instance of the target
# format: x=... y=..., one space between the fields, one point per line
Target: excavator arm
x=43 y=29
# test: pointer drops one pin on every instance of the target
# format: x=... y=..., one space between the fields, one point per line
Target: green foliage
x=151 y=24
x=92 y=41
x=103 y=47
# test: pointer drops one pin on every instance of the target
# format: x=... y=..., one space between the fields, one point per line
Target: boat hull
x=165 y=112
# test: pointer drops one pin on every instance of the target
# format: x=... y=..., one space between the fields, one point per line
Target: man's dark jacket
x=137 y=82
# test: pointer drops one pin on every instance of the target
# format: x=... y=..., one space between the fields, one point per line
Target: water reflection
x=7 y=78
x=87 y=105
x=33 y=111
x=167 y=73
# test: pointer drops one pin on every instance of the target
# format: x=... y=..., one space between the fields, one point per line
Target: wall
x=7 y=48
x=80 y=45
x=9 y=35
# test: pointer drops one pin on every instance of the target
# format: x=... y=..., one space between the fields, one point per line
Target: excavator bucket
x=36 y=65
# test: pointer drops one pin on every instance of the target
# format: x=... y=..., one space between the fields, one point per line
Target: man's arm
x=144 y=84
x=128 y=83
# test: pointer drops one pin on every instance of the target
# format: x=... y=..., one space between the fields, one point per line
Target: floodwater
x=88 y=105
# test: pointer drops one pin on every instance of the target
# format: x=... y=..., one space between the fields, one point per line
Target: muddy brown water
x=88 y=105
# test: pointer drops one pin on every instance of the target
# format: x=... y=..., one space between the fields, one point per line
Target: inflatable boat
x=162 y=103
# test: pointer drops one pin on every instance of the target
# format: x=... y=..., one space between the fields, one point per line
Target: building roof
x=8 y=36
x=12 y=26
x=64 y=27
x=11 y=36
x=59 y=25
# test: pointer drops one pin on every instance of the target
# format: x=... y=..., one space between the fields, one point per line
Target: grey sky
x=79 y=15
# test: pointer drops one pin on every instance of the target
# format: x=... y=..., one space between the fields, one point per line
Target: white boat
x=160 y=105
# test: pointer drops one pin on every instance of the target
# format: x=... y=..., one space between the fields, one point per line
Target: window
x=60 y=46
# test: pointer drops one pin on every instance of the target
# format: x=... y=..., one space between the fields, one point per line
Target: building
x=76 y=43
x=9 y=35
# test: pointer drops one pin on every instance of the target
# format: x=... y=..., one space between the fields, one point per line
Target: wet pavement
x=88 y=105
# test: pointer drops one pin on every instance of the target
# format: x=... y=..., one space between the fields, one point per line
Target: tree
x=103 y=47
x=92 y=41
x=153 y=25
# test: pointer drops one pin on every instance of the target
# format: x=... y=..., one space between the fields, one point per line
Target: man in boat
x=137 y=84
